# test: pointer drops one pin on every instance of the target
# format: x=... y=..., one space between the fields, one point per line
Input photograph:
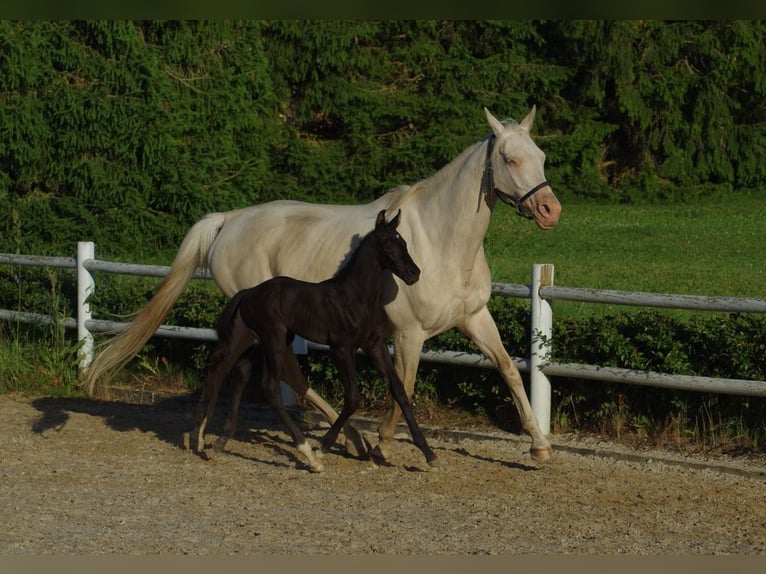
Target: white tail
x=192 y=254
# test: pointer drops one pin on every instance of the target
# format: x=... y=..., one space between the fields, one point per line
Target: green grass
x=711 y=247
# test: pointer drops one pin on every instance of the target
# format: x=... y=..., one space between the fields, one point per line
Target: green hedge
x=126 y=132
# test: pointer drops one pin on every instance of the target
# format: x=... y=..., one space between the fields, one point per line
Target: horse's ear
x=494 y=123
x=381 y=219
x=527 y=122
x=395 y=221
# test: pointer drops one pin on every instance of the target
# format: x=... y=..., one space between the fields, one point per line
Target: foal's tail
x=191 y=254
x=225 y=325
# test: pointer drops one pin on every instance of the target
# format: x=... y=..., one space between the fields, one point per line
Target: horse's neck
x=453 y=208
x=362 y=275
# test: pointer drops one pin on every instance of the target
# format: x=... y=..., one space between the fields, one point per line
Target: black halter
x=506 y=197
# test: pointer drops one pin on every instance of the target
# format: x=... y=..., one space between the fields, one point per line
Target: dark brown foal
x=344 y=312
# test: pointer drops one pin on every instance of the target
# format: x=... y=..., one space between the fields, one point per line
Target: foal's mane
x=353 y=257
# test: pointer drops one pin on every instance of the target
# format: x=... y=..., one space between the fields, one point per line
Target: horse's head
x=515 y=165
x=392 y=249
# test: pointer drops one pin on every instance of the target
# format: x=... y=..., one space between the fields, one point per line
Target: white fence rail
x=541 y=292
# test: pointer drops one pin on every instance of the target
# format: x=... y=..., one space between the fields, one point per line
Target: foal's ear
x=395 y=221
x=381 y=219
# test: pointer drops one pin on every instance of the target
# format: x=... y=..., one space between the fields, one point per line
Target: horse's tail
x=191 y=255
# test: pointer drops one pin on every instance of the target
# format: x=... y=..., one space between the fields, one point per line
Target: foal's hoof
x=220 y=443
x=541 y=453
x=186 y=441
x=434 y=463
x=355 y=444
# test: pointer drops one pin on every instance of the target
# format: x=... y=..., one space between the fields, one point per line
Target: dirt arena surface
x=82 y=477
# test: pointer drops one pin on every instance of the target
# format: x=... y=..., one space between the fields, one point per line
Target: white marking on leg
x=200 y=447
x=308 y=452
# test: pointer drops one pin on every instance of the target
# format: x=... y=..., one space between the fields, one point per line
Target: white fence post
x=540 y=348
x=85 y=286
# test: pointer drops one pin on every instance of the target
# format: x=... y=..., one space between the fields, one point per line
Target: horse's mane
x=400 y=195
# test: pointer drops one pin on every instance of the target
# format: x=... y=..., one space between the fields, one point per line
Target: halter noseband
x=507 y=197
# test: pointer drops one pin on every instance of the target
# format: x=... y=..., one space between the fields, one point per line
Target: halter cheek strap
x=507 y=197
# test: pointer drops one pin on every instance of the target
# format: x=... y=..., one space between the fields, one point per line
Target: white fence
x=541 y=292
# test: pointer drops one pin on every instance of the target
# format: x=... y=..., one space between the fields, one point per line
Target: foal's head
x=392 y=249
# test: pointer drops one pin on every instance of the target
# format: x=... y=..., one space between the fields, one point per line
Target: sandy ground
x=103 y=477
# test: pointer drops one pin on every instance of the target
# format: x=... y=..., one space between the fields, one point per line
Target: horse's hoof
x=316 y=467
x=434 y=463
x=355 y=445
x=186 y=441
x=541 y=453
x=379 y=458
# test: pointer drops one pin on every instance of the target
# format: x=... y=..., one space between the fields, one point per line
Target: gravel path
x=98 y=477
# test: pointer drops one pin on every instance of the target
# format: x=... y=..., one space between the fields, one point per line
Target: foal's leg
x=355 y=444
x=242 y=372
x=407 y=357
x=274 y=358
x=345 y=361
x=206 y=405
x=481 y=328
x=224 y=358
x=378 y=352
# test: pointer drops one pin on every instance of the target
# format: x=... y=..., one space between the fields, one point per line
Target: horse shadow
x=168 y=419
x=508 y=464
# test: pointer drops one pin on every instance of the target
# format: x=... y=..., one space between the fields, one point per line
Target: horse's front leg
x=345 y=361
x=378 y=352
x=482 y=330
x=408 y=345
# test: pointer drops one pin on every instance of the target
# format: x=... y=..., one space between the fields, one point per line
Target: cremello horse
x=444 y=222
